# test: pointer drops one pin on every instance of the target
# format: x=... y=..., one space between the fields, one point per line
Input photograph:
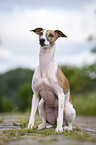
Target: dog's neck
x=46 y=56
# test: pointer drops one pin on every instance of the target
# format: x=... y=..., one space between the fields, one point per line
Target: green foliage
x=1 y=103
x=93 y=50
x=90 y=38
x=12 y=85
x=16 y=92
x=16 y=134
x=7 y=105
x=24 y=97
x=85 y=105
x=82 y=80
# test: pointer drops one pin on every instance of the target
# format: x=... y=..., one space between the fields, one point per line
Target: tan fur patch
x=41 y=31
x=63 y=82
x=53 y=39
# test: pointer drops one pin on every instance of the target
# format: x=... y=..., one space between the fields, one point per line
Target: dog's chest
x=46 y=85
x=44 y=81
x=47 y=92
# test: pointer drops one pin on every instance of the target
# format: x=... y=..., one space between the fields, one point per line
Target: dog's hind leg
x=70 y=114
x=41 y=108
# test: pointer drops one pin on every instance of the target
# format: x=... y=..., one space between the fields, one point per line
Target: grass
x=85 y=104
x=1 y=120
x=17 y=134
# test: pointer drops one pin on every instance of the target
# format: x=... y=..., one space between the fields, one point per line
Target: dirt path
x=87 y=124
x=50 y=140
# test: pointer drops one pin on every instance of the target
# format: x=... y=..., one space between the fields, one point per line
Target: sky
x=20 y=48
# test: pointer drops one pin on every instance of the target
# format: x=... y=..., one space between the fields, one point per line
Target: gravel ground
x=87 y=124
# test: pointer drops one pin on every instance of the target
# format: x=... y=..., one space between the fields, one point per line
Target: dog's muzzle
x=42 y=40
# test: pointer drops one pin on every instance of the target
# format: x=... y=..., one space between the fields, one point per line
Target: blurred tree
x=1 y=103
x=8 y=105
x=12 y=86
x=90 y=38
x=24 y=97
x=93 y=50
x=15 y=86
x=81 y=80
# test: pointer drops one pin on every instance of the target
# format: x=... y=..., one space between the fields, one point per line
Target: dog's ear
x=58 y=33
x=37 y=30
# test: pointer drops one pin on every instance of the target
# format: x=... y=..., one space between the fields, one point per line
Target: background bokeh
x=19 y=50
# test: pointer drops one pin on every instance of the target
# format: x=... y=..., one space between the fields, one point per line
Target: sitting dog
x=55 y=106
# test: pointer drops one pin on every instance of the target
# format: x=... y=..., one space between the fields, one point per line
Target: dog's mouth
x=42 y=44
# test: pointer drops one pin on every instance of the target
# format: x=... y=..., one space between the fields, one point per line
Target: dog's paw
x=30 y=126
x=69 y=128
x=41 y=126
x=59 y=130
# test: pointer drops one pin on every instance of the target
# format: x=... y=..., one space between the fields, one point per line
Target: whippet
x=55 y=106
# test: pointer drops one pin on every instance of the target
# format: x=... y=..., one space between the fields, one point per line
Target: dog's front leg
x=61 y=100
x=35 y=101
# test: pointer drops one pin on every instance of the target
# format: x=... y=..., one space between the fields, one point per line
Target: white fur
x=42 y=114
x=45 y=77
x=44 y=36
x=70 y=115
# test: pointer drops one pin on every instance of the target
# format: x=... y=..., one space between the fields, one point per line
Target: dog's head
x=48 y=37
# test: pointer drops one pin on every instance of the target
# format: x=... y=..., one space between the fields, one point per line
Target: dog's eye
x=41 y=33
x=51 y=35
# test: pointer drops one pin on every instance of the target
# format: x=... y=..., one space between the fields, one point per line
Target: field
x=85 y=104
x=13 y=130
x=16 y=96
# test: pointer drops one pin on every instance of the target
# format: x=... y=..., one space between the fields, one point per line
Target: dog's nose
x=42 y=40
